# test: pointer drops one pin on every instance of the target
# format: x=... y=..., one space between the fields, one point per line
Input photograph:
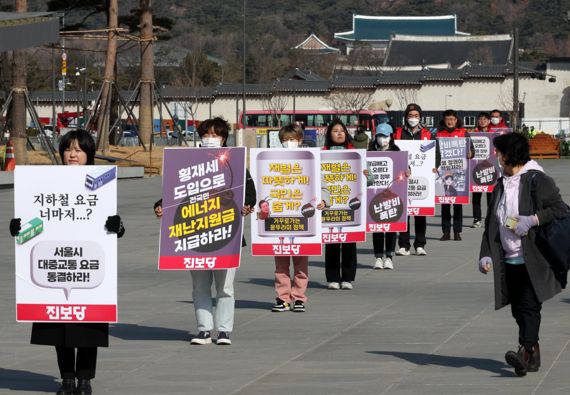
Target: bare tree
x=147 y=73
x=104 y=110
x=275 y=103
x=18 y=105
x=406 y=96
x=352 y=100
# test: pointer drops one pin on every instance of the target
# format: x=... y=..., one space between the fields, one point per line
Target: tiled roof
x=416 y=50
x=300 y=74
x=381 y=28
x=315 y=44
x=382 y=78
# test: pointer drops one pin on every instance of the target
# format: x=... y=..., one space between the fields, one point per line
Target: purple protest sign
x=388 y=195
x=484 y=166
x=452 y=184
x=202 y=196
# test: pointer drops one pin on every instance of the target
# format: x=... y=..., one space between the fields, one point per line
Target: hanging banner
x=484 y=166
x=344 y=221
x=66 y=261
x=452 y=184
x=421 y=183
x=288 y=185
x=202 y=197
x=388 y=195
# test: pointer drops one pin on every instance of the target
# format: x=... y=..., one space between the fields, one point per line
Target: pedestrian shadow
x=143 y=332
x=567 y=300
x=22 y=380
x=358 y=265
x=491 y=365
x=269 y=282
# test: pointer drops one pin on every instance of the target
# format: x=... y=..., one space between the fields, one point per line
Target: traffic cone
x=10 y=159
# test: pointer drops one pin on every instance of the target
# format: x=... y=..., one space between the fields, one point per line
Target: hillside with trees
x=204 y=44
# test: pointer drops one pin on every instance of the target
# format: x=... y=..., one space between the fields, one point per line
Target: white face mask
x=413 y=122
x=495 y=120
x=291 y=144
x=211 y=142
x=383 y=141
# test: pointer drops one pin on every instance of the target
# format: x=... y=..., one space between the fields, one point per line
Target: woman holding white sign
x=75 y=148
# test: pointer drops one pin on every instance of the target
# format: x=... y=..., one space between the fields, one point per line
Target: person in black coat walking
x=75 y=148
x=524 y=198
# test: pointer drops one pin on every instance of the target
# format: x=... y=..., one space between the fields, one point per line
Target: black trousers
x=525 y=306
x=477 y=205
x=446 y=218
x=82 y=367
x=340 y=265
x=420 y=226
x=378 y=240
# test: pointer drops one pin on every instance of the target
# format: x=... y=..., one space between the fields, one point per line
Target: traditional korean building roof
x=382 y=28
x=454 y=50
x=314 y=44
x=305 y=75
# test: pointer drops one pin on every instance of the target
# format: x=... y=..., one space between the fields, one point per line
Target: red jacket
x=424 y=134
x=457 y=132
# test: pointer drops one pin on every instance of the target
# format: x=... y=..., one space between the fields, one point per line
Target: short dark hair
x=328 y=139
x=499 y=111
x=85 y=141
x=484 y=114
x=514 y=147
x=449 y=176
x=219 y=125
x=295 y=130
x=450 y=113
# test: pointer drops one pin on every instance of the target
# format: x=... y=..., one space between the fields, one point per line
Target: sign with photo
x=388 y=195
x=288 y=188
x=342 y=173
x=452 y=183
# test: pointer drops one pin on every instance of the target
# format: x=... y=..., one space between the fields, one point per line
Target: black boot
x=83 y=387
x=534 y=359
x=67 y=387
x=518 y=360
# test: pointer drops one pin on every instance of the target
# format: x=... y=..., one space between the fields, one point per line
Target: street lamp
x=446 y=96
x=78 y=72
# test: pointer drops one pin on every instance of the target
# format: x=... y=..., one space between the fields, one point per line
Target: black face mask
x=448 y=129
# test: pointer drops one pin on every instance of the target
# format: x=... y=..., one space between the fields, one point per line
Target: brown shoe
x=534 y=359
x=445 y=237
x=457 y=237
x=518 y=360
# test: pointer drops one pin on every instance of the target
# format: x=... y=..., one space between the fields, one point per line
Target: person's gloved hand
x=115 y=225
x=524 y=224
x=485 y=264
x=15 y=226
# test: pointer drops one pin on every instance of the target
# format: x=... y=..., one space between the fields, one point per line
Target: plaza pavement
x=428 y=327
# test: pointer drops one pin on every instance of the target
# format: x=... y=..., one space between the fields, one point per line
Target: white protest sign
x=66 y=261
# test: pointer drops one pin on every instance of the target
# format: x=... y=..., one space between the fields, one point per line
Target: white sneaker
x=403 y=252
x=334 y=285
x=388 y=265
x=379 y=264
x=346 y=285
x=420 y=251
